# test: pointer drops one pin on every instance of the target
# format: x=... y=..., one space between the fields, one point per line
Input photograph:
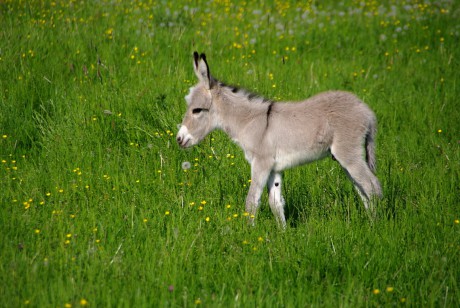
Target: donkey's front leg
x=259 y=177
x=275 y=198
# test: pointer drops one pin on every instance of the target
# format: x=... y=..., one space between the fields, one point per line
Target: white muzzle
x=184 y=139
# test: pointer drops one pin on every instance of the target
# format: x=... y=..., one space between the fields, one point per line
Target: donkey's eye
x=197 y=110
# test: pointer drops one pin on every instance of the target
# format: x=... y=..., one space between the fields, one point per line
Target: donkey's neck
x=243 y=115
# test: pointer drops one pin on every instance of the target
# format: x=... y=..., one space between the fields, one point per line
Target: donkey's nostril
x=179 y=139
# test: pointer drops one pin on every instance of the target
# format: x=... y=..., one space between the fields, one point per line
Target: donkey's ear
x=202 y=69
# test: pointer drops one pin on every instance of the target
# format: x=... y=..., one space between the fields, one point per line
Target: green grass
x=96 y=209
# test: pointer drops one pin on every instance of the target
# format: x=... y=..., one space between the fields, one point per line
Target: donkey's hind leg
x=275 y=198
x=366 y=183
x=260 y=173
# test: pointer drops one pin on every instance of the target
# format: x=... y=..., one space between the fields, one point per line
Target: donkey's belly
x=288 y=159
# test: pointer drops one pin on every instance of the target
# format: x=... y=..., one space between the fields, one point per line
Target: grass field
x=96 y=209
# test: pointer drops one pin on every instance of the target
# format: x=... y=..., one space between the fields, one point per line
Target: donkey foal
x=277 y=135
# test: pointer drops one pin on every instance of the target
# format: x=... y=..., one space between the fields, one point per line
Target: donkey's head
x=200 y=117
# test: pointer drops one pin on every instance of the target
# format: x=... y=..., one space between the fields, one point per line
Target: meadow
x=101 y=208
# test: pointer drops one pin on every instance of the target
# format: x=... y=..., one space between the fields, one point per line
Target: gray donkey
x=277 y=135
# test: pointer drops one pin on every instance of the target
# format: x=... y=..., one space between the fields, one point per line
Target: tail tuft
x=370 y=146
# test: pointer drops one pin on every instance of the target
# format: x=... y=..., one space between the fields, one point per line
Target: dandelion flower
x=207 y=219
x=186 y=165
x=84 y=302
x=390 y=289
x=376 y=291
x=197 y=301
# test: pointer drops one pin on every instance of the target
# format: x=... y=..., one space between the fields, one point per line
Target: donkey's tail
x=370 y=145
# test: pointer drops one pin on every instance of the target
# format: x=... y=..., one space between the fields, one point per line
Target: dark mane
x=251 y=96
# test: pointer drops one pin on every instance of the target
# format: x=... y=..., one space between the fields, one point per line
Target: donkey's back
x=329 y=122
x=338 y=109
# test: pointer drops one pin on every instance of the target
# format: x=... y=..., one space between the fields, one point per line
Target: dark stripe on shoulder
x=269 y=111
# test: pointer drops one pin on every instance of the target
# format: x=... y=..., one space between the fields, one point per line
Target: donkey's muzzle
x=180 y=140
x=184 y=138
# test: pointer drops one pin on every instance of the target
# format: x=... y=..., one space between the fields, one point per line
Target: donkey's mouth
x=184 y=143
x=184 y=138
